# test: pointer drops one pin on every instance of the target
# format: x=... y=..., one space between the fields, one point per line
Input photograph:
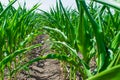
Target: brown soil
x=45 y=69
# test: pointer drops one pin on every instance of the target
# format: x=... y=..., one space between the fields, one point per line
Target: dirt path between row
x=43 y=70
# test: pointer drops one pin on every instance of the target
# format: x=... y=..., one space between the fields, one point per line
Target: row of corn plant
x=90 y=31
x=18 y=27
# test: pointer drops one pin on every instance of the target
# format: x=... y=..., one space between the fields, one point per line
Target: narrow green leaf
x=13 y=55
x=111 y=3
x=57 y=30
x=99 y=37
x=109 y=74
x=11 y=3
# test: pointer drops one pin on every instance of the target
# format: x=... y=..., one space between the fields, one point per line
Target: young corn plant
x=17 y=29
x=91 y=31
